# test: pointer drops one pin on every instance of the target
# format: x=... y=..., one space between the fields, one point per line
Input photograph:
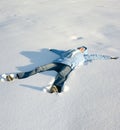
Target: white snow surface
x=27 y=29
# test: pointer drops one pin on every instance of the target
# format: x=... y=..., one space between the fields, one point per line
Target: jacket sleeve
x=58 y=52
x=61 y=52
x=98 y=57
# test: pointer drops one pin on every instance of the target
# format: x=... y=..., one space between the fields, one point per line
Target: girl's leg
x=61 y=78
x=51 y=66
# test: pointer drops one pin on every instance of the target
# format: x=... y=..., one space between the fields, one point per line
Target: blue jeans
x=62 y=70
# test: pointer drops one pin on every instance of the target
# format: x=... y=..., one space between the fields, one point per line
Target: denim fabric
x=63 y=72
x=74 y=57
x=62 y=77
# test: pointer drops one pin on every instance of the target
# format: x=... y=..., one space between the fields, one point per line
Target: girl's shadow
x=44 y=56
x=34 y=87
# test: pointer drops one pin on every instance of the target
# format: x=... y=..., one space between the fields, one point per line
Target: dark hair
x=82 y=47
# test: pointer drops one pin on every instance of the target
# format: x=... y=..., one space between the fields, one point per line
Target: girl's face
x=82 y=49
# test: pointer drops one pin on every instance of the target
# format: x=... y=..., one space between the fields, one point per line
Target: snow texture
x=27 y=29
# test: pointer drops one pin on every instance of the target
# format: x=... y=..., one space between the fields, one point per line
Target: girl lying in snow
x=67 y=62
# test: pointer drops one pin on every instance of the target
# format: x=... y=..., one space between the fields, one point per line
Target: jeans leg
x=51 y=66
x=22 y=75
x=62 y=77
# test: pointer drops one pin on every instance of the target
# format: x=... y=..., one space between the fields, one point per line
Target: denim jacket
x=74 y=57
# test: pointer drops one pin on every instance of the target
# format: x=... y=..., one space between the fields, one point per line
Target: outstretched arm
x=62 y=52
x=100 y=57
x=58 y=52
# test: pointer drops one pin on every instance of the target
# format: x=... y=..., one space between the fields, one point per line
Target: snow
x=27 y=29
